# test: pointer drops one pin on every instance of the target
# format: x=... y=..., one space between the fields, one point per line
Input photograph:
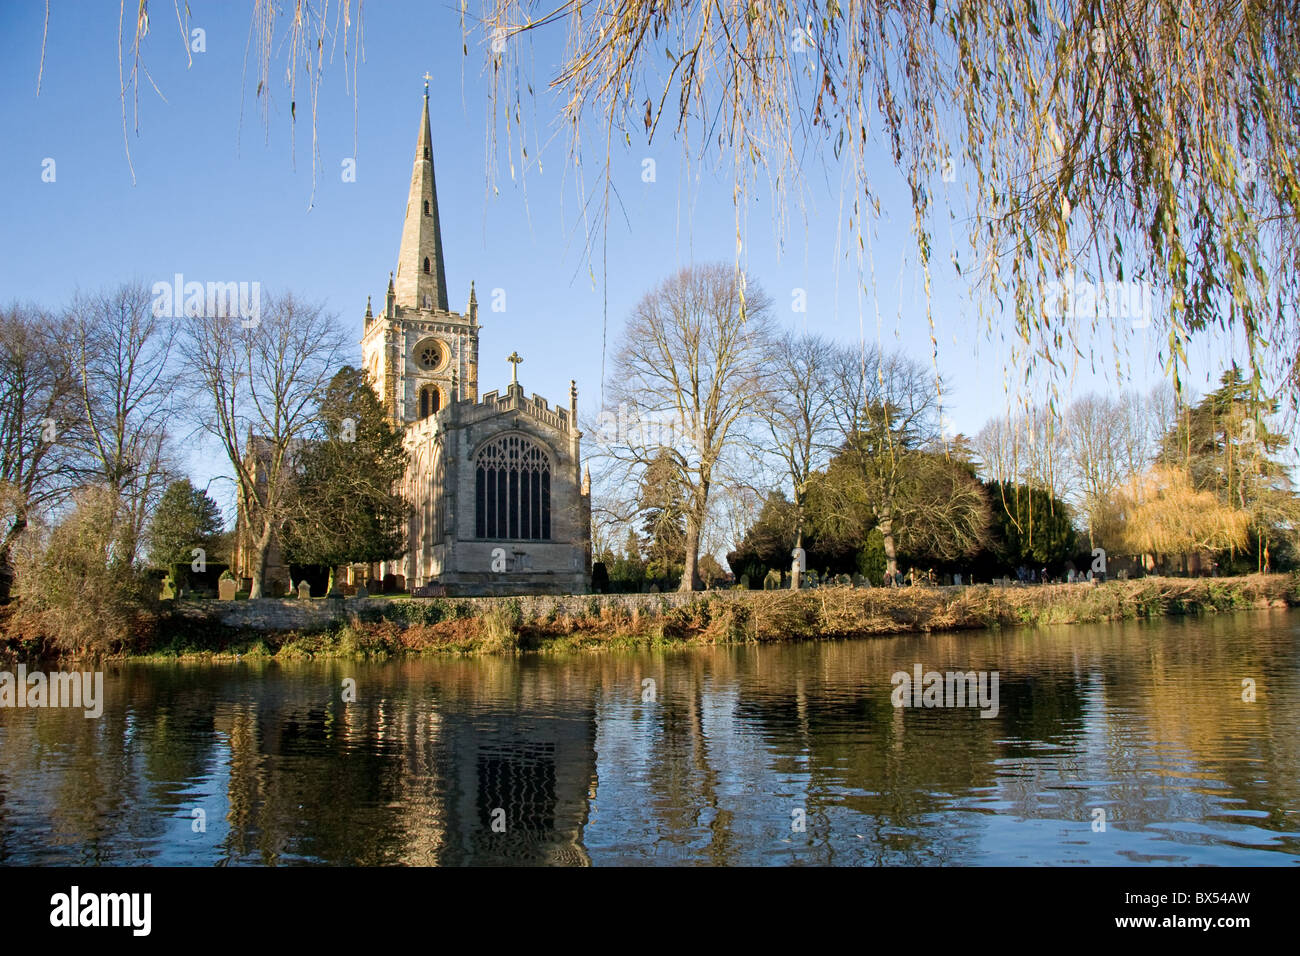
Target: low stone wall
x=288 y=614
x=981 y=605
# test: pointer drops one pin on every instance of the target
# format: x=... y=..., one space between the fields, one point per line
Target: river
x=1126 y=743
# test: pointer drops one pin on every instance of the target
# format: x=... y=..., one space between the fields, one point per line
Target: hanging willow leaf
x=1139 y=112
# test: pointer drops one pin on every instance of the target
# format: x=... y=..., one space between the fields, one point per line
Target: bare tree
x=38 y=420
x=799 y=416
x=125 y=383
x=259 y=388
x=1092 y=430
x=695 y=357
x=1028 y=448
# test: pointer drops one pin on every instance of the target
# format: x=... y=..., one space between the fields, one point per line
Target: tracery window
x=429 y=354
x=512 y=490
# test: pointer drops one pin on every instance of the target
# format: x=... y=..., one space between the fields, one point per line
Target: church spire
x=421 y=275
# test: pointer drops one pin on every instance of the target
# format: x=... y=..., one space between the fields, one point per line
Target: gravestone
x=744 y=582
x=304 y=590
x=226 y=589
x=362 y=592
x=773 y=581
x=956 y=579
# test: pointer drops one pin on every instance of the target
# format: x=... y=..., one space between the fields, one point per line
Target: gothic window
x=429 y=354
x=512 y=490
x=426 y=265
x=430 y=400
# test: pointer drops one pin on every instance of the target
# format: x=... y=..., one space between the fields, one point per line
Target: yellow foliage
x=1164 y=514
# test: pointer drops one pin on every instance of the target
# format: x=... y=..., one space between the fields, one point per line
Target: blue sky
x=217 y=196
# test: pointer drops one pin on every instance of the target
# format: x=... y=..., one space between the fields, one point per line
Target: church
x=501 y=503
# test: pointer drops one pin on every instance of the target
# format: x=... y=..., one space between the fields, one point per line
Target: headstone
x=956 y=579
x=654 y=589
x=226 y=589
x=304 y=590
x=277 y=588
x=773 y=580
x=362 y=592
x=744 y=582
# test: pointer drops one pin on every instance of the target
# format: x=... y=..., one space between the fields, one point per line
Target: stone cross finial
x=514 y=361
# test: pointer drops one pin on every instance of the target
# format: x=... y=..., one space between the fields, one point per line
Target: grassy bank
x=503 y=626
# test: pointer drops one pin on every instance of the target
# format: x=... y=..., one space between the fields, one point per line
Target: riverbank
x=382 y=628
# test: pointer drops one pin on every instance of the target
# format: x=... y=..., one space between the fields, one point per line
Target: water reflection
x=579 y=760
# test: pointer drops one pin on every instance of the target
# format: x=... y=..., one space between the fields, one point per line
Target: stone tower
x=420 y=355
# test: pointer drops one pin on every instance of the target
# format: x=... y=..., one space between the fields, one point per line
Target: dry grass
x=738 y=617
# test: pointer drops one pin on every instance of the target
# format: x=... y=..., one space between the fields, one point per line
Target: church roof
x=419 y=286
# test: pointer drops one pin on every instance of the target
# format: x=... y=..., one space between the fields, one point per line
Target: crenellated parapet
x=494 y=403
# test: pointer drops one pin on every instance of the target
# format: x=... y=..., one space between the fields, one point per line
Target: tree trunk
x=6 y=558
x=260 y=552
x=887 y=532
x=6 y=574
x=690 y=572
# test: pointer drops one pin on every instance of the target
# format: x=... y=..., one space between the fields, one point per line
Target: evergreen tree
x=186 y=518
x=627 y=573
x=1030 y=526
x=347 y=506
x=663 y=521
x=769 y=540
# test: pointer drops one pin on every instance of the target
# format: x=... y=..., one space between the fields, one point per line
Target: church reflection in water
x=483 y=765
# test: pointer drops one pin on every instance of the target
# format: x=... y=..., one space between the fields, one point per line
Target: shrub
x=76 y=588
x=501 y=626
